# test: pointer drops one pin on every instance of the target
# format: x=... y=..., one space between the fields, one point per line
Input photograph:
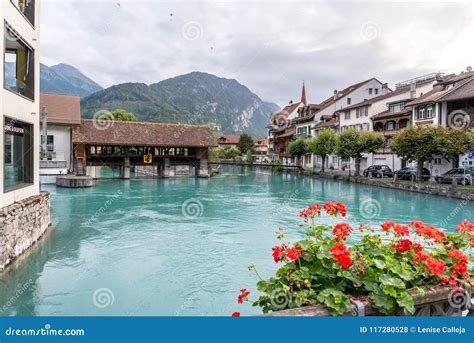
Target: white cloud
x=269 y=46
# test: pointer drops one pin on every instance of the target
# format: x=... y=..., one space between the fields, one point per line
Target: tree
x=245 y=143
x=229 y=153
x=297 y=148
x=425 y=142
x=323 y=144
x=118 y=115
x=353 y=143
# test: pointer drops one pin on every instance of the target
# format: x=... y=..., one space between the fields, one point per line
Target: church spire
x=303 y=96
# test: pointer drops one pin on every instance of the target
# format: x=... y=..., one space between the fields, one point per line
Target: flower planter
x=432 y=301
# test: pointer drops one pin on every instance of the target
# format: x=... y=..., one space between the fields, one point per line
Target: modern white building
x=62 y=113
x=25 y=212
x=19 y=100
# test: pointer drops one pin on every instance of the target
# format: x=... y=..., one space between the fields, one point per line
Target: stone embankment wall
x=22 y=224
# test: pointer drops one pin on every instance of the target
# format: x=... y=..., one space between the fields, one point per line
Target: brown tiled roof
x=127 y=133
x=260 y=142
x=289 y=132
x=290 y=108
x=463 y=90
x=387 y=114
x=344 y=92
x=329 y=123
x=228 y=139
x=62 y=109
x=377 y=98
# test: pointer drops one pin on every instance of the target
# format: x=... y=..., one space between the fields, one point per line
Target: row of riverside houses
x=371 y=105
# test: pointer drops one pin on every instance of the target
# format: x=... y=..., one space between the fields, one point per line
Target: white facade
x=18 y=108
x=61 y=150
x=367 y=90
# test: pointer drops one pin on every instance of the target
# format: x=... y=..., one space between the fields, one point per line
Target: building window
x=370 y=90
x=19 y=73
x=347 y=115
x=348 y=101
x=18 y=147
x=27 y=8
x=362 y=112
x=390 y=126
x=376 y=91
x=421 y=112
x=429 y=111
x=365 y=126
x=396 y=107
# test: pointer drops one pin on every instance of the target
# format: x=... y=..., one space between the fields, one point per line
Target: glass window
x=18 y=147
x=376 y=91
x=347 y=115
x=27 y=7
x=19 y=70
x=348 y=101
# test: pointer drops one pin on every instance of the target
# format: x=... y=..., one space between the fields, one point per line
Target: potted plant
x=392 y=269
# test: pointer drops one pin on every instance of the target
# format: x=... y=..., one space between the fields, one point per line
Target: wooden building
x=161 y=150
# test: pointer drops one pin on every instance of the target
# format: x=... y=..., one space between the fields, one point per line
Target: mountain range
x=194 y=98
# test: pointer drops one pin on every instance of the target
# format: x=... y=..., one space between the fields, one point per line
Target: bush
x=387 y=265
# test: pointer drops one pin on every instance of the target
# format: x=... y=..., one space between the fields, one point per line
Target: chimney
x=335 y=94
x=413 y=91
x=384 y=88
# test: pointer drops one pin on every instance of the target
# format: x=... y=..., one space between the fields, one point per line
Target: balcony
x=19 y=71
x=27 y=8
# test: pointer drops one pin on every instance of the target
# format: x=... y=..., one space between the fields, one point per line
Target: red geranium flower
x=428 y=231
x=401 y=230
x=465 y=227
x=235 y=314
x=458 y=255
x=386 y=226
x=334 y=208
x=342 y=255
x=279 y=253
x=342 y=231
x=294 y=253
x=311 y=211
x=435 y=266
x=243 y=295
x=404 y=245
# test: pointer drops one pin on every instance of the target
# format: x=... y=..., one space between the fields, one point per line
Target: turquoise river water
x=181 y=247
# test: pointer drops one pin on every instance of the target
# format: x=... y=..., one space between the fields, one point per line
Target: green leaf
x=405 y=301
x=380 y=264
x=388 y=280
x=383 y=302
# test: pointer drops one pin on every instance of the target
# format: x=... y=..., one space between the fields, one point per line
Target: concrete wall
x=22 y=224
x=16 y=106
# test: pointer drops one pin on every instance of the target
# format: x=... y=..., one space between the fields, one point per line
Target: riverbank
x=449 y=191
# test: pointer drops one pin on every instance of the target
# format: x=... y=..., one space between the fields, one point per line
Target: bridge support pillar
x=203 y=168
x=167 y=171
x=125 y=169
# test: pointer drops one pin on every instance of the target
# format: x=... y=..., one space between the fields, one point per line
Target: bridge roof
x=126 y=133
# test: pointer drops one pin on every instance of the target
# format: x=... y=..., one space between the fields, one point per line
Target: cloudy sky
x=269 y=46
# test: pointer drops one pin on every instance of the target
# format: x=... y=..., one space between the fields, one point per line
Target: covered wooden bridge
x=161 y=150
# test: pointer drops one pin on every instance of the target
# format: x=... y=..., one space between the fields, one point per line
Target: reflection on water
x=135 y=239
